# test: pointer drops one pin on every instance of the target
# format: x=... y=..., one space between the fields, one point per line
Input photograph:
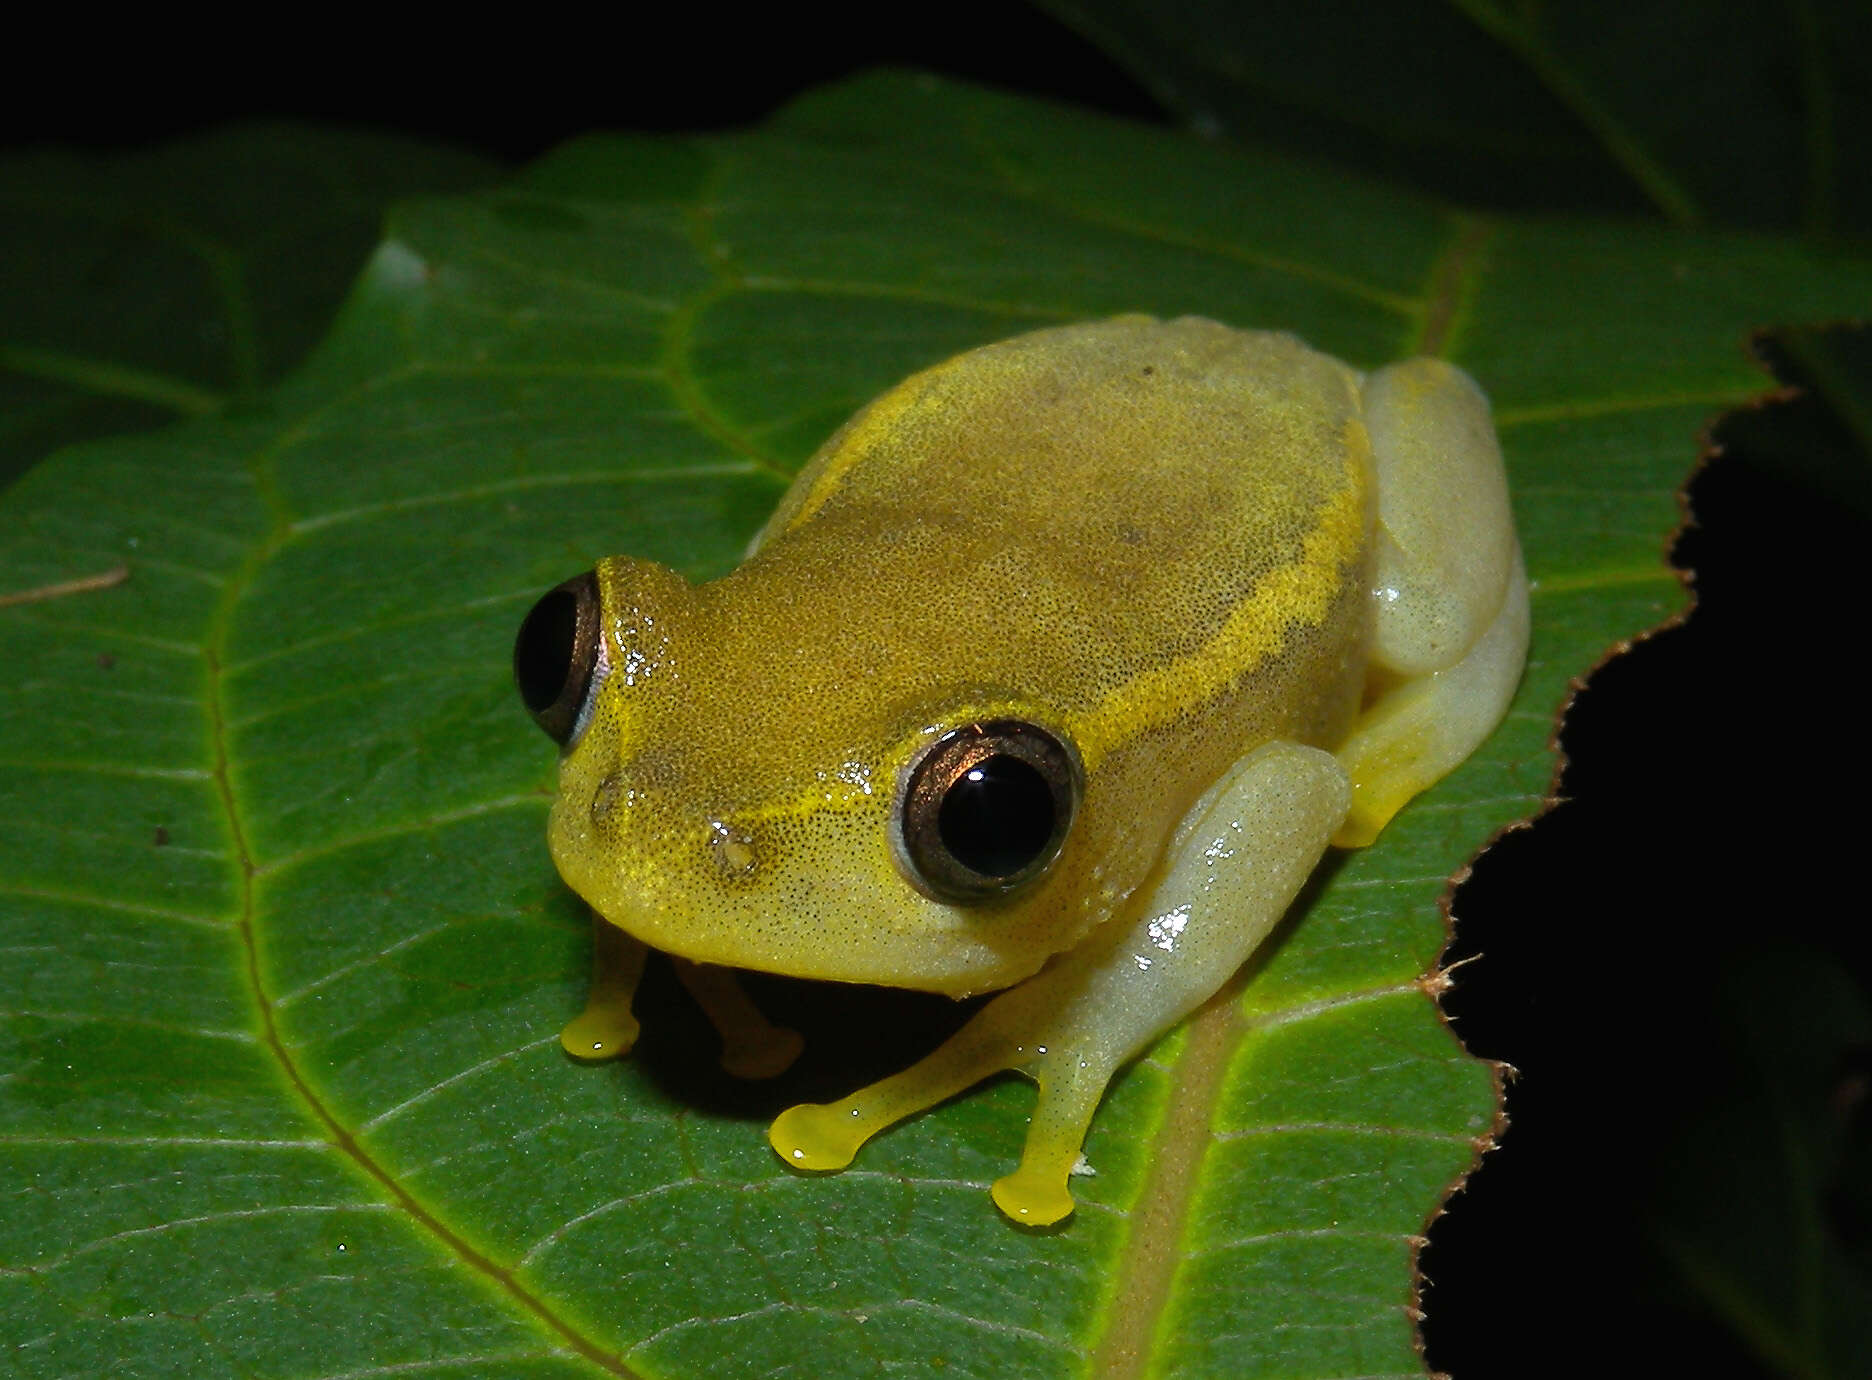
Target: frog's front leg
x=1234 y=866
x=752 y=1046
x=607 y=1028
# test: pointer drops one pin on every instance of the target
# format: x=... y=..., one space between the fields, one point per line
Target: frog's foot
x=825 y=1136
x=606 y=1029
x=1035 y=1195
x=752 y=1045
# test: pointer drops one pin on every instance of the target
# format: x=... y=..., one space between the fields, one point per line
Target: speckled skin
x=1174 y=546
x=1157 y=550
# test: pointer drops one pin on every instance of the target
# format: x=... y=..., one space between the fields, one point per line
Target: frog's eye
x=556 y=656
x=985 y=809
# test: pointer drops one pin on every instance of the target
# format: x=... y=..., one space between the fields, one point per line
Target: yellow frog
x=1056 y=671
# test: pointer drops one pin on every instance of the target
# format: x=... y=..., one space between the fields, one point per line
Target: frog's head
x=755 y=773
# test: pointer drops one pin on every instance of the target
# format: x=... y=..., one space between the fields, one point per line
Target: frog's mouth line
x=933 y=961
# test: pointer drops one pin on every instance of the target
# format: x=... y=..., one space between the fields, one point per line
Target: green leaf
x=287 y=959
x=1763 y=1211
x=1821 y=435
x=1748 y=113
x=157 y=285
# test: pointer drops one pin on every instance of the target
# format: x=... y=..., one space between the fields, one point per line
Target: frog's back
x=1150 y=542
x=1127 y=514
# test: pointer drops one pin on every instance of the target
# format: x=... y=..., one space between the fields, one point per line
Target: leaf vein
x=164 y=1142
x=443 y=1363
x=516 y=484
x=422 y=824
x=110 y=903
x=57 y=1262
x=1355 y=1128
x=552 y=1238
x=1583 y=409
x=241 y=1037
x=1021 y=189
x=899 y=292
x=479 y=1066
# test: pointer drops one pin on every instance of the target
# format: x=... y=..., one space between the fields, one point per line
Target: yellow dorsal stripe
x=872 y=429
x=1299 y=595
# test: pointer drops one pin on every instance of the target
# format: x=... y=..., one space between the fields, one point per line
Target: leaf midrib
x=247 y=880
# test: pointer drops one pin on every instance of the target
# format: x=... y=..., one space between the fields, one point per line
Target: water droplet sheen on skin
x=734 y=853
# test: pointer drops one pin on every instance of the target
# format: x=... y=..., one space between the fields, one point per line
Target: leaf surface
x=286 y=956
x=1751 y=113
x=160 y=284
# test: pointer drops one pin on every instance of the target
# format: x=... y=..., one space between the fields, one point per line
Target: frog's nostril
x=604 y=799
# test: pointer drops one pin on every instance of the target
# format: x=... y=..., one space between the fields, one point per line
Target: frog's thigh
x=752 y=1045
x=1236 y=863
x=1450 y=598
x=1446 y=542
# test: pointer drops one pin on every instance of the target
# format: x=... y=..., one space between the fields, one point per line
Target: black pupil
x=543 y=650
x=997 y=817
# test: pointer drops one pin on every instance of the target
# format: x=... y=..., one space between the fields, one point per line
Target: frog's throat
x=932 y=967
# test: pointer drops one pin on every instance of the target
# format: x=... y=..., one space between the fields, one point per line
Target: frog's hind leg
x=1449 y=593
x=752 y=1045
x=1235 y=865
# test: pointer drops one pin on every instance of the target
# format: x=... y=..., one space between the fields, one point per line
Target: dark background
x=1642 y=949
